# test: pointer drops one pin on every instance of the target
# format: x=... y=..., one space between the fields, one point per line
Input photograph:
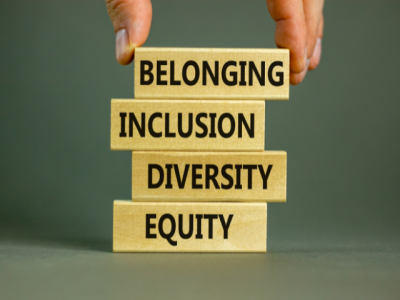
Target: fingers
x=313 y=16
x=312 y=62
x=291 y=30
x=299 y=27
x=295 y=79
x=132 y=21
x=316 y=57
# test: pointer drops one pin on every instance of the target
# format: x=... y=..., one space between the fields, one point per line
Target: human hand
x=299 y=27
x=132 y=21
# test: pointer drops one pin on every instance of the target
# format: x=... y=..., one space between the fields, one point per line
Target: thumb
x=132 y=21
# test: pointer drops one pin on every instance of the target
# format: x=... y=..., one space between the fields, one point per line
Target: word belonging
x=232 y=73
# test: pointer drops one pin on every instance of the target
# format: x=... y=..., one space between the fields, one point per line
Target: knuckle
x=115 y=7
x=114 y=4
x=117 y=11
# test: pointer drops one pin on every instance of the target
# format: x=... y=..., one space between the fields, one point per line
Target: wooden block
x=209 y=176
x=164 y=125
x=189 y=227
x=199 y=73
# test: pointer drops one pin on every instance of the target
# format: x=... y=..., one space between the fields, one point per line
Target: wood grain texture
x=242 y=125
x=158 y=227
x=201 y=73
x=209 y=176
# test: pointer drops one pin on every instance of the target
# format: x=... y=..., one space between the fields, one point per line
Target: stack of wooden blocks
x=201 y=179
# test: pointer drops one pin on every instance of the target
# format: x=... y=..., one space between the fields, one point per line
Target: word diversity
x=201 y=179
x=209 y=176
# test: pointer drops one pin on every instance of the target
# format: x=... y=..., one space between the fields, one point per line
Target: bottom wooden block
x=189 y=227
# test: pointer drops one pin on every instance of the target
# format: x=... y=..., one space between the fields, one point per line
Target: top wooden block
x=196 y=73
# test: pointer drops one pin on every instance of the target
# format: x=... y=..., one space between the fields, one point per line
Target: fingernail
x=303 y=74
x=121 y=43
x=298 y=79
x=318 y=43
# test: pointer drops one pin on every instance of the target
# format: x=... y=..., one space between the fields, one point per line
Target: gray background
x=336 y=237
